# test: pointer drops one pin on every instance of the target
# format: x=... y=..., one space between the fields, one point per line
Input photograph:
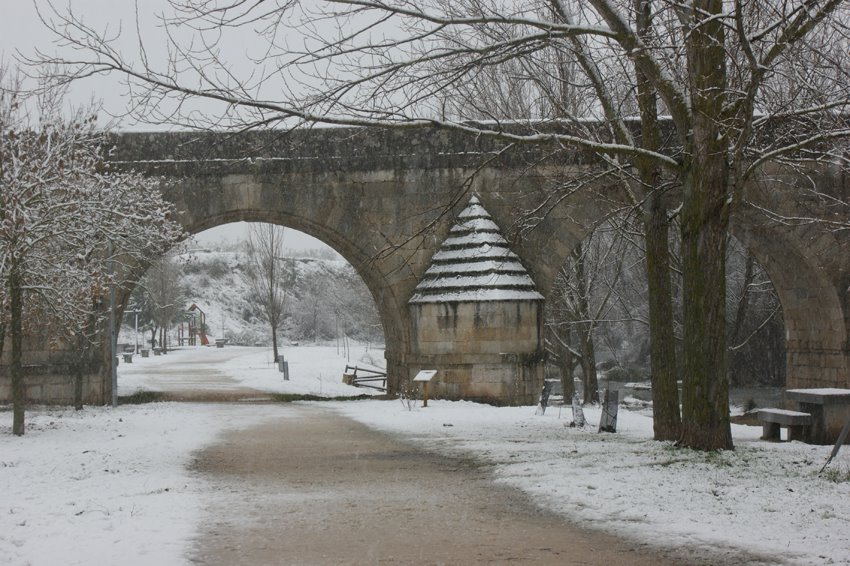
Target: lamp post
x=135 y=312
x=113 y=338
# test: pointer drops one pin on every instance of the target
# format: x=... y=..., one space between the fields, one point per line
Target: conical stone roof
x=475 y=264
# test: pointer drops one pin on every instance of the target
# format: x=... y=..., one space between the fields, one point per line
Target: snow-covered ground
x=764 y=497
x=107 y=486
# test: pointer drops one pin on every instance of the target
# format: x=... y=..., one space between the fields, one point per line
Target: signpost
x=424 y=377
x=578 y=412
x=544 y=397
x=608 y=419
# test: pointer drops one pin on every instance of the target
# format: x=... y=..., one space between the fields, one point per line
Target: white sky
x=22 y=32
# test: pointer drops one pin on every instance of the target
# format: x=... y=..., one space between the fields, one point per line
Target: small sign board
x=425 y=375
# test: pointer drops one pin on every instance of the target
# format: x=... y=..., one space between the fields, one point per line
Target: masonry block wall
x=49 y=377
x=483 y=351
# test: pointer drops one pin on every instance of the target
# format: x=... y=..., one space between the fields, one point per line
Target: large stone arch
x=394 y=319
x=808 y=263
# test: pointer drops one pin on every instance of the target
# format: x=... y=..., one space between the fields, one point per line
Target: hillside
x=327 y=300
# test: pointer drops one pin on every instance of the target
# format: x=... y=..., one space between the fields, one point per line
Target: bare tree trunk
x=78 y=371
x=588 y=366
x=19 y=394
x=565 y=361
x=705 y=395
x=705 y=223
x=275 y=354
x=585 y=330
x=565 y=371
x=666 y=419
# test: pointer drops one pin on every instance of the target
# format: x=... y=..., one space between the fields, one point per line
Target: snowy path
x=242 y=371
x=321 y=489
x=179 y=372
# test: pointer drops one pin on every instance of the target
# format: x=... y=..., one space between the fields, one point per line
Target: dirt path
x=317 y=488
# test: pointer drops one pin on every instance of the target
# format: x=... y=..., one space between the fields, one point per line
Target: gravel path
x=317 y=488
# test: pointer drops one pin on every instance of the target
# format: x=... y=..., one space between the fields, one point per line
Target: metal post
x=113 y=341
x=136 y=338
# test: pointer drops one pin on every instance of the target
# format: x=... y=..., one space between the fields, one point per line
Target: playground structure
x=193 y=328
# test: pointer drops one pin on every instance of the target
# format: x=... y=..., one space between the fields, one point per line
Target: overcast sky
x=22 y=31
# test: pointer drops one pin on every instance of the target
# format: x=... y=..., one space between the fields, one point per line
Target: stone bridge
x=386 y=199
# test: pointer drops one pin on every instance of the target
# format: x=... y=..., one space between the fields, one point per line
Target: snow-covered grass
x=763 y=497
x=108 y=486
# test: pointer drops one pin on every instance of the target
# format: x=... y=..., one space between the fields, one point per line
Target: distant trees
x=755 y=323
x=330 y=301
x=623 y=340
x=586 y=288
x=69 y=228
x=325 y=297
x=160 y=297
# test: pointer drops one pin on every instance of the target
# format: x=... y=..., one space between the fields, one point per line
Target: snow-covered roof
x=475 y=264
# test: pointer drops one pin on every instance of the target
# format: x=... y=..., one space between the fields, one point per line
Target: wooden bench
x=373 y=379
x=798 y=424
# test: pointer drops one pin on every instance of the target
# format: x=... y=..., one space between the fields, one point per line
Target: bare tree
x=585 y=289
x=718 y=70
x=268 y=276
x=165 y=295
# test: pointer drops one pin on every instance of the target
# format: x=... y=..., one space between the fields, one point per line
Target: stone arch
x=393 y=317
x=815 y=323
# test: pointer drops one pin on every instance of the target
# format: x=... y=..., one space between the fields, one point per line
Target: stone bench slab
x=785 y=417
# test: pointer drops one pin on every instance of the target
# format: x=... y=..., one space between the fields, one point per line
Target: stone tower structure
x=477 y=317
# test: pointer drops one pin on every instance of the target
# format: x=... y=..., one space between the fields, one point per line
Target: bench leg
x=770 y=431
x=799 y=432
